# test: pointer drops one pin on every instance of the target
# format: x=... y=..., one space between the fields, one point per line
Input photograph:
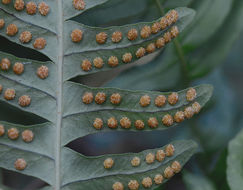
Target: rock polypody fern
x=72 y=110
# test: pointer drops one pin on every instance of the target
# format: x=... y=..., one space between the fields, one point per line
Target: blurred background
x=208 y=51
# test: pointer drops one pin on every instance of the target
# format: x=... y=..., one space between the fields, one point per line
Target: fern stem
x=59 y=94
x=161 y=9
x=179 y=51
x=183 y=62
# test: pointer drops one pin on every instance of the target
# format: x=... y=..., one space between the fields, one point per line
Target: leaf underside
x=43 y=153
x=234 y=162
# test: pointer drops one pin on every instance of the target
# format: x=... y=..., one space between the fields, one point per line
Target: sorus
x=163 y=23
x=43 y=8
x=5 y=64
x=195 y=106
x=176 y=166
x=145 y=100
x=98 y=123
x=169 y=150
x=12 y=30
x=127 y=58
x=1 y=88
x=25 y=37
x=100 y=98
x=169 y=172
x=42 y=72
x=2 y=130
x=13 y=133
x=108 y=163
x=139 y=124
x=2 y=23
x=153 y=122
x=87 y=98
x=133 y=185
x=132 y=34
x=179 y=116
x=116 y=37
x=86 y=65
x=150 y=157
x=135 y=161
x=118 y=186
x=112 y=123
x=9 y=94
x=147 y=182
x=155 y=27
x=31 y=8
x=160 y=155
x=160 y=101
x=174 y=15
x=174 y=32
x=189 y=112
x=191 y=94
x=170 y=17
x=151 y=48
x=167 y=37
x=167 y=120
x=125 y=123
x=20 y=164
x=24 y=101
x=27 y=136
x=76 y=35
x=115 y=98
x=6 y=2
x=158 y=179
x=160 y=42
x=79 y=4
x=145 y=32
x=98 y=62
x=101 y=38
x=40 y=43
x=113 y=61
x=173 y=98
x=18 y=68
x=140 y=52
x=19 y=5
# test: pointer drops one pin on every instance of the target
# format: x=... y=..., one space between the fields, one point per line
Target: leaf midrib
x=59 y=94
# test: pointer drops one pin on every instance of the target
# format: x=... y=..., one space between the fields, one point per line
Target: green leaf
x=70 y=12
x=164 y=67
x=39 y=155
x=50 y=49
x=57 y=102
x=41 y=141
x=104 y=14
x=48 y=22
x=216 y=133
x=197 y=182
x=39 y=99
x=38 y=166
x=220 y=44
x=29 y=77
x=203 y=48
x=209 y=15
x=76 y=53
x=175 y=3
x=234 y=162
x=79 y=117
x=122 y=171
